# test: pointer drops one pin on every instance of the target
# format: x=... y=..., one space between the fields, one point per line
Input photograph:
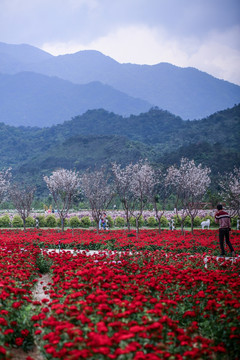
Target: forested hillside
x=99 y=137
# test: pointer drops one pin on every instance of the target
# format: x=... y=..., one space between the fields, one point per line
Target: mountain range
x=39 y=89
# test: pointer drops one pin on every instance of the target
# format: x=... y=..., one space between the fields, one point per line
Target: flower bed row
x=202 y=241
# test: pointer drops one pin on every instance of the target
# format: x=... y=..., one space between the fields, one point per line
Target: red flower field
x=157 y=301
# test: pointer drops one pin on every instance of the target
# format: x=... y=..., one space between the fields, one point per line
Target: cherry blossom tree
x=142 y=185
x=5 y=176
x=189 y=183
x=122 y=186
x=134 y=185
x=230 y=191
x=22 y=197
x=98 y=191
x=63 y=185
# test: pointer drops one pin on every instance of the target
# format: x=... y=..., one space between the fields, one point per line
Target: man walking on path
x=223 y=219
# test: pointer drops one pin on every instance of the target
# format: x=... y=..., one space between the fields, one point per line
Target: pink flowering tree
x=22 y=198
x=98 y=191
x=122 y=187
x=134 y=184
x=142 y=186
x=230 y=191
x=189 y=183
x=63 y=185
x=5 y=176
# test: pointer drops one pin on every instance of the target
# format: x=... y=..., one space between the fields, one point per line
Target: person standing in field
x=223 y=219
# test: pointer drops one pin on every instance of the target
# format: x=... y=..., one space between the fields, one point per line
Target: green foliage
x=197 y=221
x=177 y=221
x=74 y=222
x=5 y=221
x=187 y=221
x=132 y=221
x=234 y=221
x=30 y=221
x=43 y=263
x=50 y=221
x=119 y=221
x=157 y=135
x=110 y=221
x=41 y=221
x=17 y=221
x=151 y=221
x=164 y=221
x=59 y=222
x=85 y=222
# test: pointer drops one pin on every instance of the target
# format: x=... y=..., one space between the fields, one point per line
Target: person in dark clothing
x=223 y=219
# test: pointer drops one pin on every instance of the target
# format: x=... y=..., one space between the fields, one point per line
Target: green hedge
x=5 y=221
x=17 y=221
x=119 y=221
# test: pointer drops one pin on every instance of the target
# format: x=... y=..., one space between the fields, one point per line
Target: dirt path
x=38 y=294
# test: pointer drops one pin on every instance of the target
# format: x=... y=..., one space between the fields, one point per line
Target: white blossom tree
x=230 y=191
x=5 y=176
x=189 y=183
x=122 y=186
x=134 y=185
x=142 y=185
x=22 y=198
x=63 y=185
x=98 y=191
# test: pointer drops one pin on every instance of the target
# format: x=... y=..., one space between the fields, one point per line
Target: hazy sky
x=201 y=33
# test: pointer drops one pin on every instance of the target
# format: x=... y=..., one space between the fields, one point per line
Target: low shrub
x=59 y=222
x=187 y=221
x=110 y=221
x=50 y=221
x=164 y=221
x=119 y=221
x=17 y=221
x=74 y=222
x=85 y=222
x=151 y=221
x=41 y=221
x=197 y=221
x=132 y=221
x=30 y=221
x=5 y=221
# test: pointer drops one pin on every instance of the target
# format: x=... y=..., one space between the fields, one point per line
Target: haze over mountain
x=187 y=92
x=32 y=99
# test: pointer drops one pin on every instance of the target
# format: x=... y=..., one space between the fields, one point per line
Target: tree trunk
x=137 y=229
x=192 y=225
x=159 y=226
x=182 y=225
x=62 y=223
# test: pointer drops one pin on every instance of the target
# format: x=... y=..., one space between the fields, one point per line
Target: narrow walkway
x=38 y=294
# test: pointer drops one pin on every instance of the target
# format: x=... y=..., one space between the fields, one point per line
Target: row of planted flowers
x=128 y=305
x=202 y=241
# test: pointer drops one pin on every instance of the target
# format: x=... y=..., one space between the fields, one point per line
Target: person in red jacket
x=223 y=219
